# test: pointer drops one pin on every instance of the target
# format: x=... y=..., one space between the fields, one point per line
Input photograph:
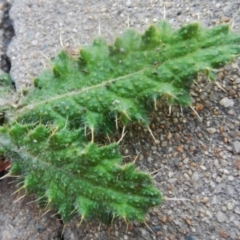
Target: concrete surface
x=42 y=28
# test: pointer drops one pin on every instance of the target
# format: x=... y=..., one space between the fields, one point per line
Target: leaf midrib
x=26 y=155
x=24 y=108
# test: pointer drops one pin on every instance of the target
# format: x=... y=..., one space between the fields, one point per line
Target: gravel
x=22 y=219
x=197 y=163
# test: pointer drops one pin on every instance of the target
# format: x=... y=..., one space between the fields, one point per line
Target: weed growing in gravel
x=51 y=135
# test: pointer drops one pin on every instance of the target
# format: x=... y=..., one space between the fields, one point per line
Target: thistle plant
x=52 y=134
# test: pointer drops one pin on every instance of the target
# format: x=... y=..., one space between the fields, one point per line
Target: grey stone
x=221 y=217
x=226 y=102
x=144 y=233
x=218 y=179
x=216 y=163
x=237 y=210
x=224 y=209
x=229 y=206
x=236 y=146
x=233 y=235
x=129 y=3
x=195 y=177
x=230 y=178
x=231 y=112
x=236 y=223
x=230 y=191
x=211 y=130
x=164 y=144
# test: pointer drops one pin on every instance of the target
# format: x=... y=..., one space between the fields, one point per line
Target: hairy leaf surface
x=50 y=138
x=85 y=179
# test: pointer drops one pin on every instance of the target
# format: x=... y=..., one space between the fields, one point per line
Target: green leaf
x=84 y=179
x=51 y=136
x=5 y=95
x=119 y=81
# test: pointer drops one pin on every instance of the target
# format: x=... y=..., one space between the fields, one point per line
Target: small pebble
x=224 y=209
x=221 y=217
x=209 y=214
x=218 y=179
x=128 y=3
x=237 y=223
x=164 y=144
x=190 y=238
x=231 y=112
x=231 y=191
x=233 y=235
x=237 y=210
x=205 y=200
x=186 y=160
x=236 y=146
x=216 y=163
x=195 y=176
x=229 y=206
x=236 y=164
x=226 y=102
x=230 y=178
x=235 y=65
x=211 y=130
x=203 y=168
x=144 y=233
x=34 y=42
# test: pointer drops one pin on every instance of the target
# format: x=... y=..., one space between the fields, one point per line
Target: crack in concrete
x=7 y=32
x=7 y=28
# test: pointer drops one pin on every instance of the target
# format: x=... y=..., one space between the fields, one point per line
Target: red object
x=4 y=165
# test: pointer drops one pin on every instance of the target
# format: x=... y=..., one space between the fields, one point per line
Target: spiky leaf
x=5 y=97
x=47 y=138
x=83 y=179
x=123 y=79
